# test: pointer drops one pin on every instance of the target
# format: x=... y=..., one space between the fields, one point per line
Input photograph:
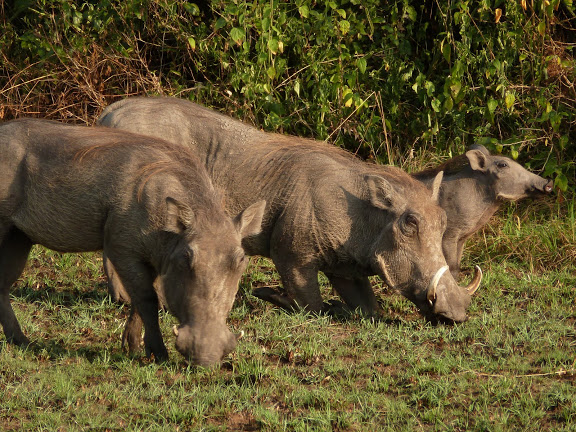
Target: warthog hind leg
x=14 y=249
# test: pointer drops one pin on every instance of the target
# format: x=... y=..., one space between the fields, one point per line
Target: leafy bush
x=386 y=80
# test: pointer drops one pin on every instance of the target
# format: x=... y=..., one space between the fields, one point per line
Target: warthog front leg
x=14 y=249
x=137 y=279
x=275 y=297
x=132 y=336
x=452 y=248
x=301 y=284
x=356 y=292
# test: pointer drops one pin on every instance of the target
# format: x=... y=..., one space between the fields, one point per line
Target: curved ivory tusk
x=473 y=286
x=240 y=335
x=431 y=292
x=175 y=330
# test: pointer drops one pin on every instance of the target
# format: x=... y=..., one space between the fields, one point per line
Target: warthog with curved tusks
x=149 y=204
x=327 y=211
x=474 y=187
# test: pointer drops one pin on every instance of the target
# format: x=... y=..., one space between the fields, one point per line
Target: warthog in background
x=474 y=187
x=149 y=204
x=327 y=211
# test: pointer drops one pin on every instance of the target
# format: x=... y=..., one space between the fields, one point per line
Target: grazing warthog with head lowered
x=473 y=188
x=326 y=210
x=149 y=204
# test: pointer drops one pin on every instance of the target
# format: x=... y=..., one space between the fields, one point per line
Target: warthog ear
x=477 y=160
x=436 y=186
x=178 y=216
x=381 y=192
x=249 y=222
x=479 y=147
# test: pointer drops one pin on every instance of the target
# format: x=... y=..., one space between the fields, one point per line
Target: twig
x=301 y=70
x=559 y=372
x=351 y=114
x=381 y=109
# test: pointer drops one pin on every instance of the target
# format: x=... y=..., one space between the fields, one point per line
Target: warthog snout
x=548 y=187
x=449 y=303
x=205 y=347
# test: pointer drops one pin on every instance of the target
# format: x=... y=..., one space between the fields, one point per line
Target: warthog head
x=200 y=277
x=408 y=254
x=509 y=180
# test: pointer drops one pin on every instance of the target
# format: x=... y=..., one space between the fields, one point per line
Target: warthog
x=327 y=211
x=148 y=204
x=474 y=187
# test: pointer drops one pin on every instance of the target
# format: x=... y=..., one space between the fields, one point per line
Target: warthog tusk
x=240 y=335
x=473 y=286
x=175 y=330
x=431 y=292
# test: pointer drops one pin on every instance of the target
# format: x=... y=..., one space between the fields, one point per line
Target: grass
x=510 y=367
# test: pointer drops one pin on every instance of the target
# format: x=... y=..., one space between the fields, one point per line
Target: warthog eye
x=409 y=224
x=185 y=257
x=502 y=164
x=238 y=258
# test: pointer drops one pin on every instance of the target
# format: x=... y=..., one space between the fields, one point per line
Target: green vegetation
x=512 y=366
x=405 y=82
x=384 y=79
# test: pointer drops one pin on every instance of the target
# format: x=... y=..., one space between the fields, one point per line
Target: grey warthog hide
x=149 y=204
x=473 y=188
x=326 y=210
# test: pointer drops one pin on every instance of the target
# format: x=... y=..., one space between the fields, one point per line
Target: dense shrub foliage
x=385 y=79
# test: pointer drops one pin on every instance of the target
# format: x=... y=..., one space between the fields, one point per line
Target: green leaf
x=220 y=23
x=341 y=12
x=430 y=88
x=446 y=50
x=361 y=63
x=555 y=120
x=347 y=99
x=273 y=45
x=542 y=28
x=344 y=26
x=192 y=43
x=411 y=13
x=271 y=72
x=297 y=87
x=510 y=99
x=561 y=182
x=304 y=11
x=455 y=88
x=492 y=105
x=265 y=24
x=192 y=9
x=237 y=35
x=435 y=105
